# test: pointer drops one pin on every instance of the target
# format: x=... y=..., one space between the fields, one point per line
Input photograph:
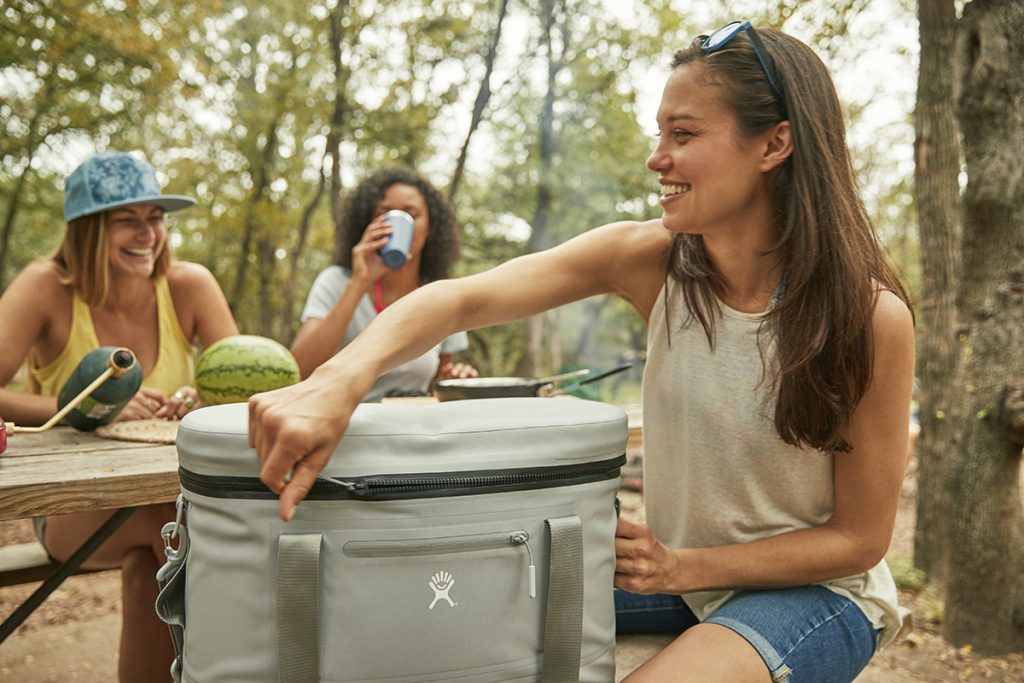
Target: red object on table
x=3 y=436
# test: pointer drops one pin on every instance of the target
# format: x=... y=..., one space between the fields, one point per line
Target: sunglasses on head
x=720 y=38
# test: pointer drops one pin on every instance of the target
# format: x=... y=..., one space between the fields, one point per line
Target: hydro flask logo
x=441 y=583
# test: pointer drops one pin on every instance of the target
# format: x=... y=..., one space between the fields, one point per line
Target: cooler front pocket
x=406 y=597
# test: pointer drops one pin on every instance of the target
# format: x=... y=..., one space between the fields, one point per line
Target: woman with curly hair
x=347 y=296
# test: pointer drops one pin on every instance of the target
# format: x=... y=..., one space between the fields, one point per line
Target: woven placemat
x=149 y=431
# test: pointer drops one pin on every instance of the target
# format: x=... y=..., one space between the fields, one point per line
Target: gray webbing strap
x=298 y=609
x=563 y=623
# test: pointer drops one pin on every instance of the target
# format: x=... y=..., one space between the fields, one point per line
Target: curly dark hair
x=441 y=249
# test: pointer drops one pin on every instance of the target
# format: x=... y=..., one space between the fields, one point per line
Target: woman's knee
x=138 y=570
x=66 y=533
x=706 y=653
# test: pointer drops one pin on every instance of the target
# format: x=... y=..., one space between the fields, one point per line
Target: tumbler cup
x=396 y=252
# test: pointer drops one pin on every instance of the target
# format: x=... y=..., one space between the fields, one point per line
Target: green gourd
x=105 y=402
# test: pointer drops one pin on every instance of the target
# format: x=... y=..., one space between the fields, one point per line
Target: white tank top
x=716 y=471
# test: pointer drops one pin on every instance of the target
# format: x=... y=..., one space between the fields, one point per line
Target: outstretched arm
x=294 y=430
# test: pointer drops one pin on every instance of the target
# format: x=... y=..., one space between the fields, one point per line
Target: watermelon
x=234 y=368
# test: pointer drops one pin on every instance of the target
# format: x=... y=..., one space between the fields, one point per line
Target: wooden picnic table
x=63 y=470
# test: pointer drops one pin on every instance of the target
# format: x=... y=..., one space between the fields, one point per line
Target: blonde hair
x=83 y=258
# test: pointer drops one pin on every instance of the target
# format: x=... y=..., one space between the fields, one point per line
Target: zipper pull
x=357 y=487
x=523 y=538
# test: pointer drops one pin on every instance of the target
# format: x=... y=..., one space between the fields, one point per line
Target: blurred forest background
x=535 y=116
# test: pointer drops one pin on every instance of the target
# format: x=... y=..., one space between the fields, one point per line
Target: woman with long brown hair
x=778 y=380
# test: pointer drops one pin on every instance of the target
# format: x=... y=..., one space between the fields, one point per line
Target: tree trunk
x=937 y=168
x=531 y=363
x=32 y=144
x=480 y=104
x=288 y=317
x=593 y=309
x=985 y=596
x=267 y=260
x=12 y=211
x=260 y=179
x=337 y=116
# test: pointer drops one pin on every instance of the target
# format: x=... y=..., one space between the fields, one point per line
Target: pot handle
x=601 y=375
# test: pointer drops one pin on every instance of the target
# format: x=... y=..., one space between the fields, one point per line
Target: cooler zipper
x=440 y=545
x=421 y=485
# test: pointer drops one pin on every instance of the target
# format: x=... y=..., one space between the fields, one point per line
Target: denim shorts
x=804 y=635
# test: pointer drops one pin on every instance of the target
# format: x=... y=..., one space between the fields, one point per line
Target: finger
x=375 y=232
x=262 y=426
x=169 y=409
x=144 y=408
x=633 y=584
x=181 y=397
x=628 y=529
x=153 y=395
x=253 y=420
x=282 y=453
x=464 y=370
x=626 y=548
x=639 y=571
x=179 y=411
x=303 y=477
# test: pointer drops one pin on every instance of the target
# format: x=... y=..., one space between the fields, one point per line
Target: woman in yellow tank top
x=114 y=282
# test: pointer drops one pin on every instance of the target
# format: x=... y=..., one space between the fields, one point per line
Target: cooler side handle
x=563 y=622
x=298 y=608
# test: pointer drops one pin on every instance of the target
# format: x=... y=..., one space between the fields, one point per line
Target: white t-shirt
x=415 y=375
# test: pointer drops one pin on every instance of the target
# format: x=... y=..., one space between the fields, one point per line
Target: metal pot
x=509 y=387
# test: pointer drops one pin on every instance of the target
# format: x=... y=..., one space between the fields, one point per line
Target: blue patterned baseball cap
x=115 y=179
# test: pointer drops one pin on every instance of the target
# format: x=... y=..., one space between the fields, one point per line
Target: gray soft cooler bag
x=465 y=541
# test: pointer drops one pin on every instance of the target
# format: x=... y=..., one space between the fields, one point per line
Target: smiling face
x=136 y=237
x=408 y=198
x=713 y=179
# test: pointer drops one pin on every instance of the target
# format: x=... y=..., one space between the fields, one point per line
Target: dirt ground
x=73 y=635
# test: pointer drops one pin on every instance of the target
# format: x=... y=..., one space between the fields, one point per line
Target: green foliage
x=912 y=580
x=69 y=69
x=907 y=577
x=234 y=101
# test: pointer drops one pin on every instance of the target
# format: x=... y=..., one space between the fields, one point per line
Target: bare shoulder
x=635 y=238
x=636 y=258
x=892 y=319
x=188 y=279
x=41 y=304
x=199 y=302
x=892 y=338
x=41 y=272
x=41 y=282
